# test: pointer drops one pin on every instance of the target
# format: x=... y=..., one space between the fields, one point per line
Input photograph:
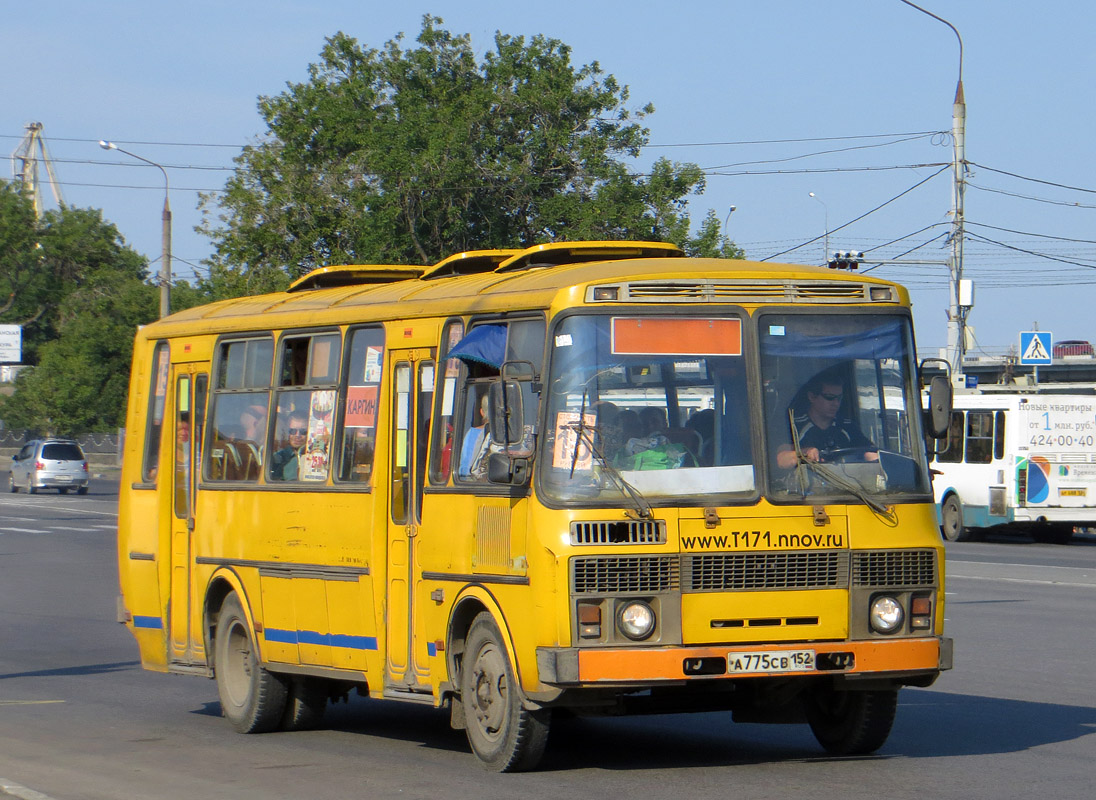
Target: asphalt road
x=79 y=719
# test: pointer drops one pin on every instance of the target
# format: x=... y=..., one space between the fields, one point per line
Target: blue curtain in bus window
x=881 y=341
x=484 y=344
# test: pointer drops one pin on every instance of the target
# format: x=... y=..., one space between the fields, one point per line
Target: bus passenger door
x=412 y=375
x=190 y=397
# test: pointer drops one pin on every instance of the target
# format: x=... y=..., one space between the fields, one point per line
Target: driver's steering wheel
x=840 y=453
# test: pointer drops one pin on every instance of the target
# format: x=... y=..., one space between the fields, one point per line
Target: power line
x=800 y=141
x=812 y=155
x=866 y=213
x=1029 y=197
x=1033 y=180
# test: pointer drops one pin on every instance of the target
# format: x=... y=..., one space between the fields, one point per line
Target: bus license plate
x=767 y=663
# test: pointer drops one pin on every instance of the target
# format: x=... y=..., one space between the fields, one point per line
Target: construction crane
x=24 y=166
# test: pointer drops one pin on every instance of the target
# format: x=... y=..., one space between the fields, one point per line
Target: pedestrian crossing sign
x=1036 y=347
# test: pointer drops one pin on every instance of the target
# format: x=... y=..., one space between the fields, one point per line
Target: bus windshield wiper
x=582 y=431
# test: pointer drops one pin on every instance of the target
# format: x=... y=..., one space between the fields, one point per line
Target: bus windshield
x=658 y=402
x=842 y=414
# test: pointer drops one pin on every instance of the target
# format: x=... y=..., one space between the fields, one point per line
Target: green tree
x=409 y=155
x=80 y=294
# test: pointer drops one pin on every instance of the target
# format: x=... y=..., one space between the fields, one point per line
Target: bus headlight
x=886 y=614
x=636 y=620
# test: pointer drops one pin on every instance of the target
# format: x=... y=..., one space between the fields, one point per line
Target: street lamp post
x=826 y=241
x=165 y=256
x=957 y=313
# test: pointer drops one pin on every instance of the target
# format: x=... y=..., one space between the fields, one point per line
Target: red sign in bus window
x=677 y=337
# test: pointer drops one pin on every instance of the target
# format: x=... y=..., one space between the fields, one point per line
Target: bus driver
x=820 y=430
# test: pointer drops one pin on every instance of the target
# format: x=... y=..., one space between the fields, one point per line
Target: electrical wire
x=1033 y=180
x=1033 y=252
x=812 y=155
x=857 y=219
x=1029 y=197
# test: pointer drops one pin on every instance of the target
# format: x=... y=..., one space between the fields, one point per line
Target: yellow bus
x=593 y=476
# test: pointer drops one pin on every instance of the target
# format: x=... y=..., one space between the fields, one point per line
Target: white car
x=49 y=464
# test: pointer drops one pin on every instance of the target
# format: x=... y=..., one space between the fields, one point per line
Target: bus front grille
x=624 y=574
x=766 y=571
x=715 y=291
x=894 y=568
x=619 y=532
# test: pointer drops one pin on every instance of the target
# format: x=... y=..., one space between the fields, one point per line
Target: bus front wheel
x=504 y=735
x=851 y=723
x=951 y=520
x=252 y=699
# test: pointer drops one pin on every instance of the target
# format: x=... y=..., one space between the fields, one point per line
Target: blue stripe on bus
x=147 y=622
x=322 y=639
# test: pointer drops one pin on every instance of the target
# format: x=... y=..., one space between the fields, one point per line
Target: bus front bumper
x=636 y=666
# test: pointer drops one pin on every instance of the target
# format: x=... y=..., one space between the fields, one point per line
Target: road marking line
x=1021 y=580
x=28 y=702
x=68 y=508
x=20 y=530
x=22 y=792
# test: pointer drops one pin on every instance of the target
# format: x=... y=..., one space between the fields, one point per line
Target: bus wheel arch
x=951 y=519
x=505 y=731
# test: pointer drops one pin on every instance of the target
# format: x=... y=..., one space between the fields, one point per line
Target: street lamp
x=826 y=242
x=957 y=313
x=165 y=257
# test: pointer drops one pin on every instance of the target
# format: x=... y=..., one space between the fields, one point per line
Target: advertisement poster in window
x=318 y=448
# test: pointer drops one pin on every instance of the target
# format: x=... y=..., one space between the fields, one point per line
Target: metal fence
x=101 y=447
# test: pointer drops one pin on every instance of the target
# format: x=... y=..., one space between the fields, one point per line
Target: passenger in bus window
x=285 y=465
x=253 y=420
x=475 y=445
x=822 y=432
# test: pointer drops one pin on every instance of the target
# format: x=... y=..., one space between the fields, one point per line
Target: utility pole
x=957 y=312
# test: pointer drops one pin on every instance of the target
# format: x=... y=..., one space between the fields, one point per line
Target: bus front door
x=186 y=647
x=412 y=374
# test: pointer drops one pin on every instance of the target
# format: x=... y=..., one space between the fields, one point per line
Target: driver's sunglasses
x=297 y=431
x=829 y=397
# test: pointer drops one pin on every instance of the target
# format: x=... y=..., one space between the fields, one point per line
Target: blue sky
x=860 y=85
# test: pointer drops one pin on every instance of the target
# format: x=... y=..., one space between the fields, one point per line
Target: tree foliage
x=79 y=292
x=407 y=155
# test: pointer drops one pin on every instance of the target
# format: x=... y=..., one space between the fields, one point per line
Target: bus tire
x=951 y=520
x=252 y=699
x=305 y=704
x=504 y=735
x=851 y=723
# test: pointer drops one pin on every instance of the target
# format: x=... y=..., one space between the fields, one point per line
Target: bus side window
x=979 y=437
x=357 y=434
x=954 y=452
x=999 y=435
x=156 y=397
x=441 y=458
x=240 y=405
x=304 y=405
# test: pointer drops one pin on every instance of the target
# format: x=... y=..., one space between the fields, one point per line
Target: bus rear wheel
x=252 y=699
x=504 y=735
x=851 y=723
x=951 y=520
